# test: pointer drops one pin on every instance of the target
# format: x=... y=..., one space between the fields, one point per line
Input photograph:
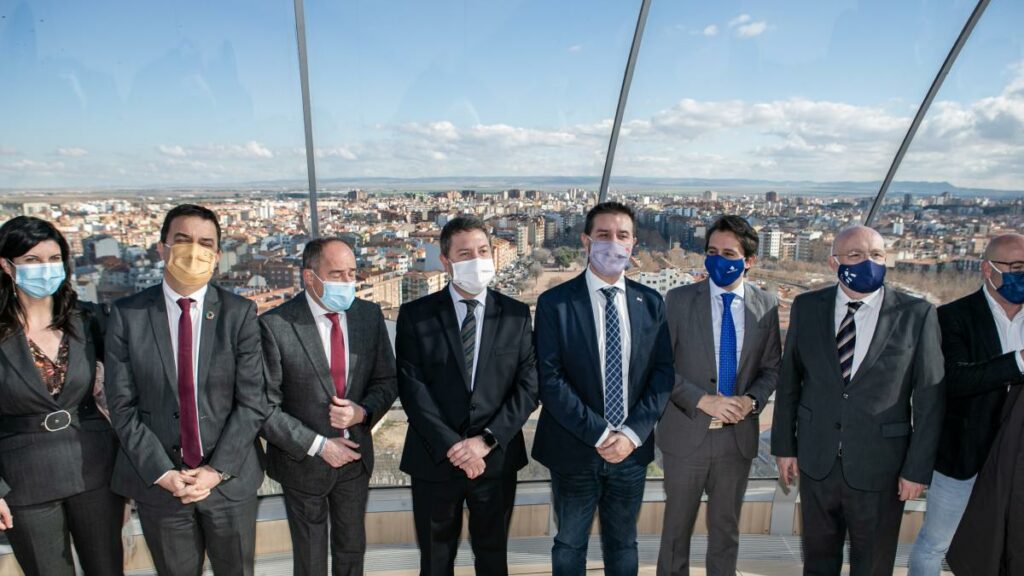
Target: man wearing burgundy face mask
x=605 y=366
x=858 y=409
x=184 y=380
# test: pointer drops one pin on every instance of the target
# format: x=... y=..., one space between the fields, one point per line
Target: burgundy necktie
x=337 y=354
x=191 y=450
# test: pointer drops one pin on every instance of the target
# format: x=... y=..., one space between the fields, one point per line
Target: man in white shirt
x=330 y=377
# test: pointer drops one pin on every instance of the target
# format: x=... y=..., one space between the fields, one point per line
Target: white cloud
x=752 y=29
x=576 y=48
x=341 y=152
x=252 y=149
x=8 y=151
x=741 y=19
x=73 y=152
x=710 y=30
x=172 y=151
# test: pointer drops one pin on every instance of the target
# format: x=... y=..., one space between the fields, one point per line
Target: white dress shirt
x=738 y=318
x=323 y=327
x=1011 y=330
x=173 y=318
x=460 y=315
x=865 y=319
x=597 y=305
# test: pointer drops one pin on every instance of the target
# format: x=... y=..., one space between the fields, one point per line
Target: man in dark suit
x=727 y=360
x=982 y=341
x=330 y=378
x=858 y=409
x=605 y=363
x=467 y=380
x=184 y=378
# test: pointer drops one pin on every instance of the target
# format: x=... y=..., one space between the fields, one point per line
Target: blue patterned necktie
x=727 y=349
x=614 y=410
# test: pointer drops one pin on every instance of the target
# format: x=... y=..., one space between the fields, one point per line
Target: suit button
x=839 y=426
x=175 y=415
x=845 y=395
x=713 y=380
x=175 y=448
x=472 y=406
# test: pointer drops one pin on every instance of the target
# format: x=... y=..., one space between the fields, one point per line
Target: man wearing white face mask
x=330 y=377
x=468 y=382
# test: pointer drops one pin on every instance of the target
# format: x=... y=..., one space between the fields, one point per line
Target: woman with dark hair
x=56 y=448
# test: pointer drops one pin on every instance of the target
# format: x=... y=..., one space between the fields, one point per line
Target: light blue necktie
x=614 y=410
x=727 y=349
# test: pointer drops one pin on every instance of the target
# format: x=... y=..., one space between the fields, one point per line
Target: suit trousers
x=180 y=535
x=42 y=535
x=437 y=513
x=830 y=508
x=715 y=467
x=343 y=510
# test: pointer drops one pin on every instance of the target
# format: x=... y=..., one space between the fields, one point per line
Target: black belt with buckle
x=52 y=422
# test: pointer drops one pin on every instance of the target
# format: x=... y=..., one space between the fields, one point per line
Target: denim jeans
x=616 y=491
x=947 y=499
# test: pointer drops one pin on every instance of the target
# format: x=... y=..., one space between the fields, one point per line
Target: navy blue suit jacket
x=571 y=391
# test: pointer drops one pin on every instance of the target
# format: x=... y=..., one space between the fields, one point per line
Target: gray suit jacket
x=684 y=427
x=887 y=419
x=142 y=391
x=299 y=390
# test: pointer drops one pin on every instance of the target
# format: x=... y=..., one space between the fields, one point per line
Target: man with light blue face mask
x=330 y=377
x=858 y=409
x=727 y=352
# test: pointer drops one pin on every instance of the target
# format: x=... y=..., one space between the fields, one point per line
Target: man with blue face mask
x=859 y=408
x=330 y=377
x=982 y=341
x=727 y=351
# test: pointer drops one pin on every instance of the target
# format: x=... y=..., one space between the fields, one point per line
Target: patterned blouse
x=53 y=372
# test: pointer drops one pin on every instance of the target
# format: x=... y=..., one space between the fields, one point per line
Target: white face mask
x=473 y=276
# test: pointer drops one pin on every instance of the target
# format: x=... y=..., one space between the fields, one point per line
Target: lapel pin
x=209 y=315
x=639 y=299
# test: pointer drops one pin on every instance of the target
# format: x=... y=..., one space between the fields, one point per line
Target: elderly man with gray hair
x=858 y=408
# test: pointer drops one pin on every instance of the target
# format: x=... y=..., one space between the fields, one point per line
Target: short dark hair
x=17 y=237
x=184 y=210
x=745 y=233
x=608 y=208
x=314 y=248
x=461 y=224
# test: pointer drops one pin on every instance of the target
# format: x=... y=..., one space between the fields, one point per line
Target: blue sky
x=132 y=93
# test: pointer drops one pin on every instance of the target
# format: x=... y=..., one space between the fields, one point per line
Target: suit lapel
x=162 y=334
x=584 y=313
x=987 y=329
x=15 y=347
x=702 y=322
x=751 y=331
x=492 y=315
x=79 y=367
x=827 y=330
x=309 y=337
x=208 y=319
x=888 y=318
x=452 y=331
x=637 y=325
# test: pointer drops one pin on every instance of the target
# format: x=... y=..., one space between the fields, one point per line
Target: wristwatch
x=489 y=439
x=757 y=405
x=224 y=476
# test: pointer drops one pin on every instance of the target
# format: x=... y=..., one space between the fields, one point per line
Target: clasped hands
x=468 y=456
x=344 y=414
x=190 y=486
x=728 y=409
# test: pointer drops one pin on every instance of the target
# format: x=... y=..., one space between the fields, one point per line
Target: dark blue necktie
x=727 y=349
x=614 y=410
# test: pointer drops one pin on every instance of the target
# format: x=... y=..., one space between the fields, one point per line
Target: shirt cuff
x=1020 y=361
x=316 y=445
x=632 y=436
x=161 y=477
x=607 y=432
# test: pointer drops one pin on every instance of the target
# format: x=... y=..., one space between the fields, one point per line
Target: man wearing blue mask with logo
x=983 y=345
x=726 y=346
x=468 y=382
x=605 y=365
x=330 y=377
x=859 y=408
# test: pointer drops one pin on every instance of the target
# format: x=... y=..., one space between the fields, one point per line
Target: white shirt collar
x=869 y=301
x=595 y=284
x=199 y=295
x=458 y=298
x=315 y=306
x=717 y=291
x=996 y=308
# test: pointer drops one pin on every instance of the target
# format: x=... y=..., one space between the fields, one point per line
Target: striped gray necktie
x=469 y=337
x=846 y=340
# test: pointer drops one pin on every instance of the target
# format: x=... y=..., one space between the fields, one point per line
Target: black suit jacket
x=42 y=466
x=883 y=435
x=300 y=388
x=978 y=375
x=435 y=390
x=142 y=391
x=571 y=389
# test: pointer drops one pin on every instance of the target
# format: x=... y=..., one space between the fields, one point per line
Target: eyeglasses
x=857 y=255
x=1017 y=266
